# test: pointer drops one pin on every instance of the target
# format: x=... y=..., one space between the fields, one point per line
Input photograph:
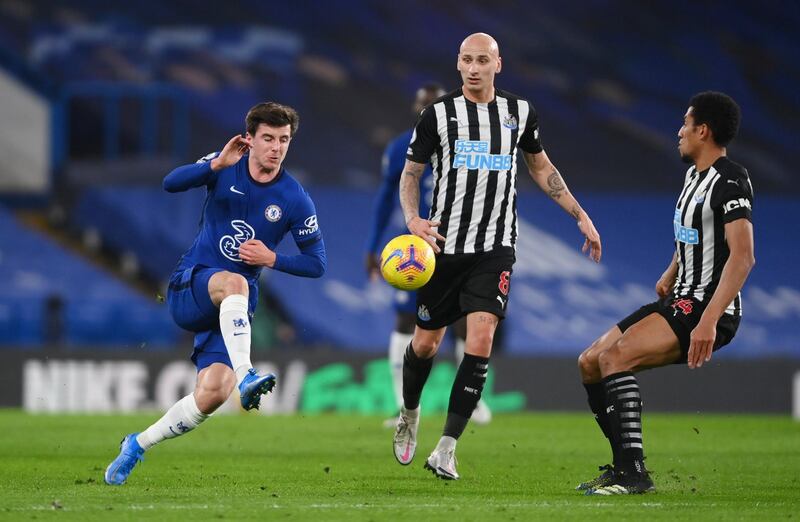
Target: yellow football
x=407 y=262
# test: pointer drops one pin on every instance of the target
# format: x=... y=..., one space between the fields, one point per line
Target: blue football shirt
x=238 y=208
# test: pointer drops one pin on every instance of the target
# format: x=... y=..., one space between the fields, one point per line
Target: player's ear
x=499 y=65
x=705 y=132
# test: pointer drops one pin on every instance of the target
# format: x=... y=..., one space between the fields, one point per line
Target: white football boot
x=405 y=435
x=443 y=464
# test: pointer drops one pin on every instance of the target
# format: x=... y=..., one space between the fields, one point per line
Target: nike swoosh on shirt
x=233 y=189
x=238 y=333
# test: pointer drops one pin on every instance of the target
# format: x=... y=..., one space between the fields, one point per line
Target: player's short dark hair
x=272 y=114
x=719 y=112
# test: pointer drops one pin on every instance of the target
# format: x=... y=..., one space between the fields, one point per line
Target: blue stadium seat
x=97 y=309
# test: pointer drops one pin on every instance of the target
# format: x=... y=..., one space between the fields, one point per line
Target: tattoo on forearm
x=413 y=169
x=576 y=212
x=409 y=189
x=556 y=184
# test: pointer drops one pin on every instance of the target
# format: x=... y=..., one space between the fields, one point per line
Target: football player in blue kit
x=405 y=303
x=252 y=202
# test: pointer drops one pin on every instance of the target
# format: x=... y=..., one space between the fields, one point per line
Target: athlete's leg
x=649 y=343
x=471 y=374
x=398 y=342
x=589 y=366
x=466 y=391
x=230 y=293
x=214 y=385
x=225 y=284
x=482 y=413
x=417 y=364
x=588 y=360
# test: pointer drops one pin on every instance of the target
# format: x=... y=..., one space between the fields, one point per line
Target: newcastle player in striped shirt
x=699 y=305
x=470 y=137
x=405 y=303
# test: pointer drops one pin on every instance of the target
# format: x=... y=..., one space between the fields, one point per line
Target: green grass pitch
x=330 y=467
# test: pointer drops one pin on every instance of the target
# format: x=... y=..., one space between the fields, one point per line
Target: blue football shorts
x=191 y=309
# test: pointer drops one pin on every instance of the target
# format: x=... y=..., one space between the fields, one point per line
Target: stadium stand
x=599 y=83
x=97 y=309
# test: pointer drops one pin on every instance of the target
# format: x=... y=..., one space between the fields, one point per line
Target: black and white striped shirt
x=472 y=148
x=708 y=201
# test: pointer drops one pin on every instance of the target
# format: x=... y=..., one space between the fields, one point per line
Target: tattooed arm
x=409 y=201
x=549 y=179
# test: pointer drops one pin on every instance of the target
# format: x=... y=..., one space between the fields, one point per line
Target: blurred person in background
x=699 y=305
x=405 y=303
x=470 y=136
x=252 y=202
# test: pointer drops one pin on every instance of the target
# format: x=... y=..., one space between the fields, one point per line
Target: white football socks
x=398 y=342
x=235 y=327
x=183 y=417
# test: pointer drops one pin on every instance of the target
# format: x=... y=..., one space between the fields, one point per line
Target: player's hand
x=701 y=343
x=665 y=284
x=373 y=266
x=426 y=229
x=592 y=243
x=231 y=153
x=254 y=252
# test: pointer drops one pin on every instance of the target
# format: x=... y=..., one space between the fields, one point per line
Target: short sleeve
x=529 y=141
x=733 y=196
x=425 y=137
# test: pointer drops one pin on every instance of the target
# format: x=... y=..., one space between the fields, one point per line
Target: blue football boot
x=253 y=386
x=129 y=454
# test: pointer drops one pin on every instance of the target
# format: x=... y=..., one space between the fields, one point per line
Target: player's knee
x=425 y=347
x=612 y=358
x=587 y=362
x=480 y=341
x=234 y=284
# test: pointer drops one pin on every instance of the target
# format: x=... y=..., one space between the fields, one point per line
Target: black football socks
x=415 y=373
x=596 y=393
x=465 y=394
x=624 y=408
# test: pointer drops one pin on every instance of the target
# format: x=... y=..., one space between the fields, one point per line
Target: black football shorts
x=683 y=314
x=465 y=283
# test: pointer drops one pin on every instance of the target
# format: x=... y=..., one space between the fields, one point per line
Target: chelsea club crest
x=273 y=213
